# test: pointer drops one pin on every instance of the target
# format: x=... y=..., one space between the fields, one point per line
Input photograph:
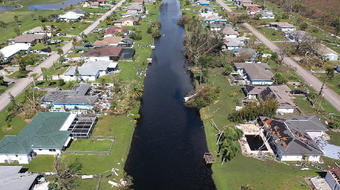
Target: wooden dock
x=208 y=158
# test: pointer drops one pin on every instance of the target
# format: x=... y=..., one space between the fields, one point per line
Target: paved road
x=21 y=84
x=331 y=96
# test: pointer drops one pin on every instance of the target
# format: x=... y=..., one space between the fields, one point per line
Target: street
x=332 y=97
x=21 y=84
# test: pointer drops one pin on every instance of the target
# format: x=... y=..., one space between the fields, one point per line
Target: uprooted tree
x=65 y=174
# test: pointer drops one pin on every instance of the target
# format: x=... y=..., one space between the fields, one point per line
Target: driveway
x=332 y=97
x=21 y=84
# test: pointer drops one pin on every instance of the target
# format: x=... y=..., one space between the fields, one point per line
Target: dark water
x=3 y=9
x=255 y=142
x=169 y=141
x=55 y=6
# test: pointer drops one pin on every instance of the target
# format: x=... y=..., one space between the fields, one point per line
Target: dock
x=208 y=158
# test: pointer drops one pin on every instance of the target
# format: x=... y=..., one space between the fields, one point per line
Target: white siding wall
x=332 y=182
x=21 y=158
x=291 y=158
x=287 y=29
x=261 y=82
x=47 y=152
x=285 y=111
x=106 y=58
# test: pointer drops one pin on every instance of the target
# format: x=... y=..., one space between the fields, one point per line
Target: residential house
x=29 y=39
x=9 y=51
x=241 y=2
x=254 y=10
x=139 y=1
x=113 y=30
x=283 y=26
x=207 y=12
x=280 y=93
x=127 y=21
x=229 y=32
x=14 y=178
x=40 y=30
x=136 y=7
x=41 y=136
x=73 y=15
x=203 y=3
x=149 y=1
x=78 y=96
x=308 y=124
x=248 y=54
x=106 y=53
x=333 y=178
x=296 y=35
x=265 y=14
x=49 y=133
x=90 y=71
x=108 y=41
x=215 y=19
x=255 y=73
x=233 y=44
x=327 y=53
x=216 y=26
x=249 y=5
x=288 y=139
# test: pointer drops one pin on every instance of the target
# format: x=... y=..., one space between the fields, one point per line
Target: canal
x=169 y=141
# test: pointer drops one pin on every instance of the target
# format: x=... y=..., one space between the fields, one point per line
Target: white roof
x=70 y=15
x=10 y=50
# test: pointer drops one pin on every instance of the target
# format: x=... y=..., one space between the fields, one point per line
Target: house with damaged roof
x=279 y=92
x=76 y=98
x=291 y=138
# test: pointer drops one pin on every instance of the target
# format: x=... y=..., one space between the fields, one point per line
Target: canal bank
x=169 y=141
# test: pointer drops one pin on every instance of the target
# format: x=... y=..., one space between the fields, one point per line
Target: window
x=51 y=150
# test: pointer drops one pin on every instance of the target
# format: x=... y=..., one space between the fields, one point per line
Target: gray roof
x=135 y=6
x=10 y=178
x=79 y=11
x=90 y=68
x=280 y=93
x=234 y=42
x=288 y=140
x=78 y=95
x=42 y=132
x=256 y=71
x=305 y=123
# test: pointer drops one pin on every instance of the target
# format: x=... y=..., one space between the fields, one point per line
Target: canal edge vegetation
x=120 y=126
x=239 y=172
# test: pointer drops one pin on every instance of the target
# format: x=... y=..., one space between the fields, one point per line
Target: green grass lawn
x=335 y=137
x=271 y=34
x=242 y=170
x=90 y=145
x=41 y=163
x=18 y=74
x=303 y=104
x=259 y=174
x=27 y=20
x=333 y=83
